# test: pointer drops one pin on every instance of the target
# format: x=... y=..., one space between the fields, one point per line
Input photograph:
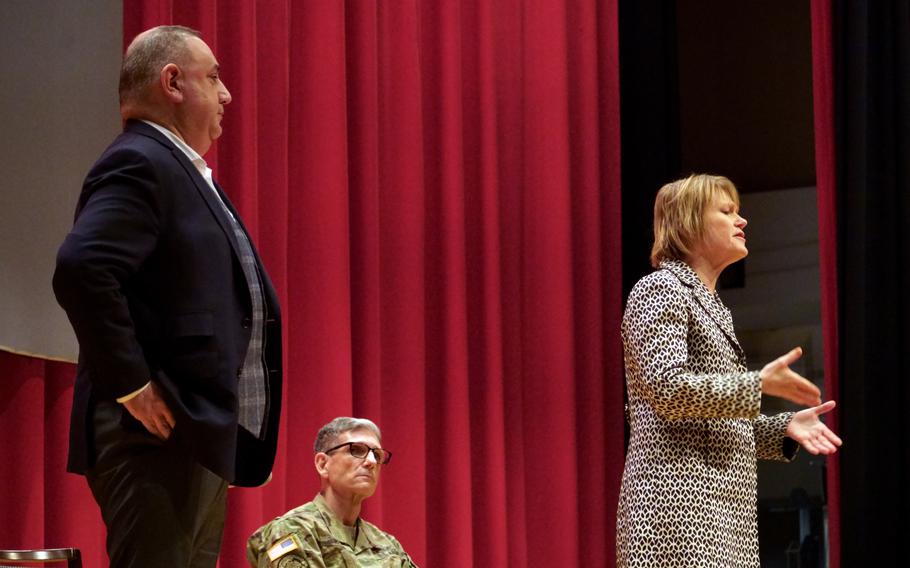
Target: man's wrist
x=133 y=394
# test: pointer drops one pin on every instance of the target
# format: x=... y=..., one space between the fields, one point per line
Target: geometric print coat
x=688 y=495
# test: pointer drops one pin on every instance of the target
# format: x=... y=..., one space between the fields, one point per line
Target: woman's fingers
x=832 y=437
x=817 y=446
x=820 y=440
x=825 y=445
x=810 y=446
x=806 y=393
x=791 y=356
x=779 y=380
x=807 y=389
x=825 y=408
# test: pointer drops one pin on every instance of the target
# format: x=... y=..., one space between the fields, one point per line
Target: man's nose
x=371 y=458
x=224 y=97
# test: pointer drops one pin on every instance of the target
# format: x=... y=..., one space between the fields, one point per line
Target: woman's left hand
x=811 y=433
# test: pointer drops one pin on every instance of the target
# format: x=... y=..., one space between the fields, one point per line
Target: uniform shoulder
x=300 y=521
x=305 y=515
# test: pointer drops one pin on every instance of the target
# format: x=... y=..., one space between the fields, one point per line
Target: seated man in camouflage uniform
x=328 y=532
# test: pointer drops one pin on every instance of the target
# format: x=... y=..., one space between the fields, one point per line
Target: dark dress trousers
x=151 y=281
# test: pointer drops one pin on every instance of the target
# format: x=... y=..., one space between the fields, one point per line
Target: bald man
x=179 y=379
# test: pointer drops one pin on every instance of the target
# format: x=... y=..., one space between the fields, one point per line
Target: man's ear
x=321 y=461
x=170 y=80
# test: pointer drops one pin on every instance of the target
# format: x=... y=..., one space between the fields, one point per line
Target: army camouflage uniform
x=312 y=536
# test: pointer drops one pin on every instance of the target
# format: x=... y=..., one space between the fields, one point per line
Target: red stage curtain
x=825 y=172
x=434 y=187
x=40 y=504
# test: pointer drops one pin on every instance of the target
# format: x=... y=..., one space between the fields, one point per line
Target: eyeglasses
x=360 y=451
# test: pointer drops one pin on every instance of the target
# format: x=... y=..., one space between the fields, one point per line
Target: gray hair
x=329 y=433
x=148 y=54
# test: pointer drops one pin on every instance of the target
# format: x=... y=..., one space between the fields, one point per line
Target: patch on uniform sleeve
x=284 y=545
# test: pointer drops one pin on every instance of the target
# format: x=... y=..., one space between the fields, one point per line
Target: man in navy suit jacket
x=178 y=388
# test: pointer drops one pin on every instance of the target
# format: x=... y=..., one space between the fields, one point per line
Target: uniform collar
x=338 y=530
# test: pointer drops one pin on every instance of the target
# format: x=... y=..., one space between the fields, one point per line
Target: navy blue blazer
x=151 y=281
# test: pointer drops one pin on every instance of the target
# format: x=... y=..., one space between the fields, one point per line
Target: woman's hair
x=679 y=212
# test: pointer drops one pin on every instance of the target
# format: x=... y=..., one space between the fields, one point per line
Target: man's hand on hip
x=149 y=408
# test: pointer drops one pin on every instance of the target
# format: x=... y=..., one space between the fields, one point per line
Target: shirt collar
x=191 y=154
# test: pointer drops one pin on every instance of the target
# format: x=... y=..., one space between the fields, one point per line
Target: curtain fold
x=41 y=505
x=434 y=188
x=872 y=126
x=823 y=80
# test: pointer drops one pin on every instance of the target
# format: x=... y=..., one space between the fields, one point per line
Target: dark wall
x=711 y=86
x=745 y=91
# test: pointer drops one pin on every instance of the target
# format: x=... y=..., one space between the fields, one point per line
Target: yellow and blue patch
x=283 y=546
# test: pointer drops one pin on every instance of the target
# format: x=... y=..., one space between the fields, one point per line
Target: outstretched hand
x=777 y=379
x=811 y=433
x=149 y=408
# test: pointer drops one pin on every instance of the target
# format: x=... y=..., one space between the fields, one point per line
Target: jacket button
x=246 y=323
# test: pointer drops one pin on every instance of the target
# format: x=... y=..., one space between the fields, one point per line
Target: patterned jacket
x=311 y=536
x=688 y=496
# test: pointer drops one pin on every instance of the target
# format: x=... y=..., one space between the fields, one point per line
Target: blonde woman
x=688 y=496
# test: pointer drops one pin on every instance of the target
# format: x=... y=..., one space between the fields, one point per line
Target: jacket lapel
x=202 y=186
x=711 y=304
